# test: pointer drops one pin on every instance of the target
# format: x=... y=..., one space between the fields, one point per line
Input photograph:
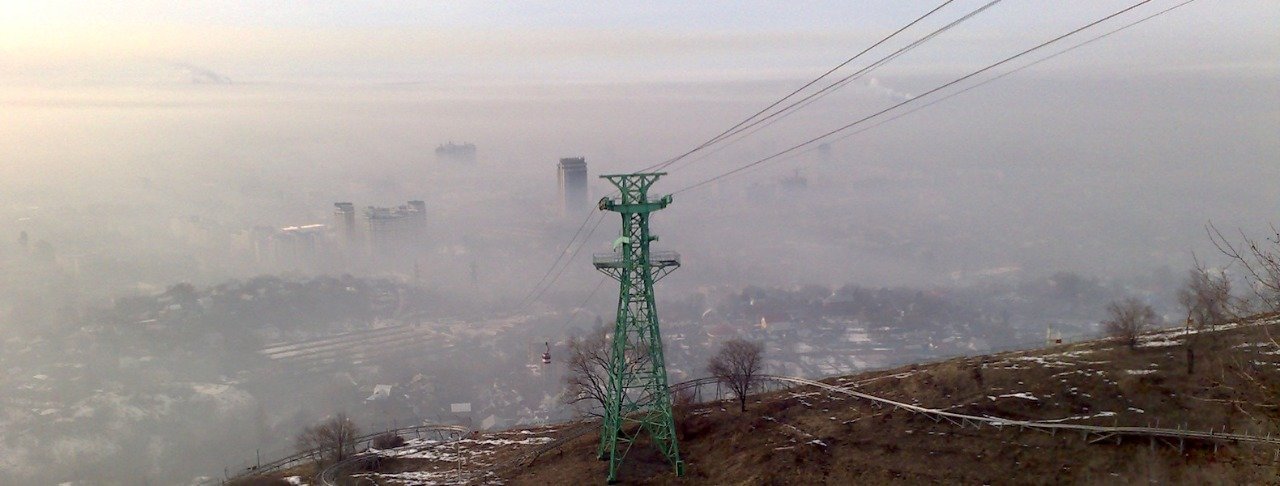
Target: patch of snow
x=1022 y=395
x=507 y=442
x=1140 y=372
x=209 y=388
x=426 y=477
x=1044 y=362
x=1078 y=417
x=1085 y=372
x=1070 y=354
x=226 y=399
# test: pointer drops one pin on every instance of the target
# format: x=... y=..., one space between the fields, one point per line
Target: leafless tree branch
x=737 y=365
x=1128 y=319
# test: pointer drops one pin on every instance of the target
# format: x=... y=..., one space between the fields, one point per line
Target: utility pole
x=637 y=400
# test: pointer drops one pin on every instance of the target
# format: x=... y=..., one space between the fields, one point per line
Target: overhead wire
x=559 y=258
x=767 y=121
x=716 y=138
x=1020 y=68
x=1008 y=73
x=539 y=289
x=581 y=244
x=571 y=257
x=587 y=300
x=905 y=102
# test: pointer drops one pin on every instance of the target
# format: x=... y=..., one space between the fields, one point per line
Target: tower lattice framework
x=638 y=402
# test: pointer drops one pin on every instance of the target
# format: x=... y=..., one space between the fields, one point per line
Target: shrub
x=1127 y=320
x=387 y=440
x=682 y=403
x=333 y=439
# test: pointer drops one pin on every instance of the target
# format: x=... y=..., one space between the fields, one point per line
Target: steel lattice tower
x=637 y=398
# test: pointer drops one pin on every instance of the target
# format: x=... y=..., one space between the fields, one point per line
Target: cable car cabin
x=546 y=356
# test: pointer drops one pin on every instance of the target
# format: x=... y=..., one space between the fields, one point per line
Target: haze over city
x=159 y=154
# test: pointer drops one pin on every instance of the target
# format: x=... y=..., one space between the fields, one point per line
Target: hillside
x=807 y=435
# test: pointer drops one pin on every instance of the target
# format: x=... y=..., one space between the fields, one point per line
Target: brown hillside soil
x=807 y=436
x=803 y=435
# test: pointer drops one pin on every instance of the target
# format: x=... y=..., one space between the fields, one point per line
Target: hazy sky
x=255 y=41
x=147 y=142
x=1126 y=144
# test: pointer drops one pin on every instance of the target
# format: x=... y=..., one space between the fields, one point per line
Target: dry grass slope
x=802 y=436
x=807 y=436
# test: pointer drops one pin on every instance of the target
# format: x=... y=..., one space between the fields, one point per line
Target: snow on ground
x=1079 y=417
x=447 y=476
x=1044 y=362
x=456 y=462
x=508 y=442
x=1139 y=372
x=857 y=383
x=1158 y=343
x=1022 y=395
x=1070 y=354
x=1085 y=372
x=432 y=453
x=226 y=399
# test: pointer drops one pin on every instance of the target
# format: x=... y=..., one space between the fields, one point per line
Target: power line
x=793 y=93
x=539 y=289
x=830 y=88
x=556 y=278
x=925 y=94
x=1011 y=72
x=559 y=257
x=587 y=300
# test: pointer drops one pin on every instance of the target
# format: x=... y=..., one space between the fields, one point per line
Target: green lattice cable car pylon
x=637 y=398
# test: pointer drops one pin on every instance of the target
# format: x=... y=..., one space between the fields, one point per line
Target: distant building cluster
x=463 y=152
x=374 y=238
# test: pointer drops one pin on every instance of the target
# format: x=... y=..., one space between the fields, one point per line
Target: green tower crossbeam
x=638 y=402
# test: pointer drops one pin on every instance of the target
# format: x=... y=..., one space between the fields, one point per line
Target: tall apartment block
x=395 y=234
x=344 y=215
x=572 y=181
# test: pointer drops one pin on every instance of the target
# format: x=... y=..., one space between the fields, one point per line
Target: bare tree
x=1128 y=318
x=736 y=365
x=1206 y=297
x=587 y=379
x=1260 y=261
x=333 y=439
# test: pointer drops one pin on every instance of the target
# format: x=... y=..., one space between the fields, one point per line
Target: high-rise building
x=395 y=234
x=298 y=247
x=572 y=181
x=344 y=215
